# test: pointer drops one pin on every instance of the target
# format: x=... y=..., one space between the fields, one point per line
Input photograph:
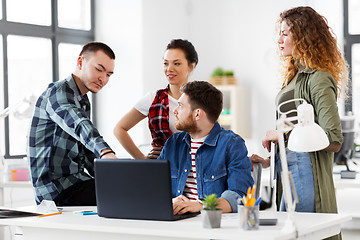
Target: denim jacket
x=222 y=164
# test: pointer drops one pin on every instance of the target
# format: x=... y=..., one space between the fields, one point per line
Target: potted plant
x=229 y=73
x=217 y=76
x=218 y=72
x=211 y=215
x=222 y=77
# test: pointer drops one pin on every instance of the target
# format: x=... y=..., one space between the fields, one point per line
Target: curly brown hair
x=315 y=46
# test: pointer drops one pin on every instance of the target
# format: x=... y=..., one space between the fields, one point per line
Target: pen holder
x=249 y=217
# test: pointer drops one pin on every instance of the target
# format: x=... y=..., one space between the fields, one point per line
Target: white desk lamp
x=22 y=109
x=306 y=136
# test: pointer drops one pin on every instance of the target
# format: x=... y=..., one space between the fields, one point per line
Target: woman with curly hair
x=313 y=69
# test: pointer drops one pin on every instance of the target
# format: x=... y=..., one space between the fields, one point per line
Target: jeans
x=299 y=164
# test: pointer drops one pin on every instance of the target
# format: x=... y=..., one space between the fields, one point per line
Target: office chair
x=256 y=175
x=269 y=193
x=347 y=148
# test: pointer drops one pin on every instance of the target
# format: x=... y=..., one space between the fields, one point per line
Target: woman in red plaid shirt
x=180 y=59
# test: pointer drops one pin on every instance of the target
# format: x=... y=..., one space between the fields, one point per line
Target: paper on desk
x=13 y=213
x=45 y=207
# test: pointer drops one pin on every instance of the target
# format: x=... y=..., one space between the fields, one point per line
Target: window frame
x=349 y=40
x=53 y=32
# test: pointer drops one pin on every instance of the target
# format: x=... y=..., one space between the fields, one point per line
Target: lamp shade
x=307 y=136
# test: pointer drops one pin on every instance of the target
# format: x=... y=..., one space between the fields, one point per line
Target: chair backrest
x=256 y=174
x=348 y=130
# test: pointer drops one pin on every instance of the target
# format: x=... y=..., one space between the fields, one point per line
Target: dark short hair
x=93 y=47
x=187 y=47
x=205 y=96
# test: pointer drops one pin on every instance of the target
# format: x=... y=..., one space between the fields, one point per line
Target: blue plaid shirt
x=62 y=142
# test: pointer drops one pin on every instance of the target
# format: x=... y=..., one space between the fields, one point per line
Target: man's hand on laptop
x=182 y=204
x=154 y=153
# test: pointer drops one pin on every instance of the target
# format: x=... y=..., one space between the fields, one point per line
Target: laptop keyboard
x=186 y=215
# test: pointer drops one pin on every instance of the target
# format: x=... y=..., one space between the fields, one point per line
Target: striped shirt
x=62 y=142
x=190 y=190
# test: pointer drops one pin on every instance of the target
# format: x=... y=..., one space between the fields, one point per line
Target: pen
x=87 y=213
x=251 y=202
x=258 y=201
x=240 y=201
x=252 y=192
x=248 y=196
x=50 y=214
x=248 y=192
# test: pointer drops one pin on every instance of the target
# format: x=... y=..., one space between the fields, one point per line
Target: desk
x=347 y=183
x=73 y=226
x=348 y=193
x=12 y=184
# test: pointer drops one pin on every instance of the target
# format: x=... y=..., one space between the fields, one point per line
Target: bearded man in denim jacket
x=205 y=158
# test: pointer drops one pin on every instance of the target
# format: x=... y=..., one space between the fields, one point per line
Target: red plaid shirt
x=159 y=118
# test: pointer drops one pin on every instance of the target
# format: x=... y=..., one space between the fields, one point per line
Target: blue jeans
x=299 y=164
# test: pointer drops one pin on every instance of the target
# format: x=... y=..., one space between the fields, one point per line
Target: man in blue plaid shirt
x=63 y=142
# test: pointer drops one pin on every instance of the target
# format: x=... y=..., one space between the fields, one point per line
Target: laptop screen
x=133 y=189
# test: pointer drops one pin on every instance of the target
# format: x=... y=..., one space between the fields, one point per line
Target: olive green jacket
x=319 y=89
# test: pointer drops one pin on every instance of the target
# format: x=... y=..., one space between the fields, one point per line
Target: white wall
x=119 y=24
x=236 y=35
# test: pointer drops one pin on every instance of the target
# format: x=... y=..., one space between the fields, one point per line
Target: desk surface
x=354 y=165
x=69 y=225
x=15 y=184
x=348 y=193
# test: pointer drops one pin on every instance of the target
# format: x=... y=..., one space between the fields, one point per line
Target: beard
x=187 y=125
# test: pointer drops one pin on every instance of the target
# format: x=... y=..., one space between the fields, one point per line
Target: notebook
x=135 y=189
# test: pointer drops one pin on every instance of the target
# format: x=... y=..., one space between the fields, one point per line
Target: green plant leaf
x=229 y=73
x=218 y=72
x=210 y=202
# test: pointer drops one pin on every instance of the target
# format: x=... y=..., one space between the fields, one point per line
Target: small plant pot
x=211 y=218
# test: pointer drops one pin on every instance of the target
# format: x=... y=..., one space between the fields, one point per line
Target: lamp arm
x=289 y=101
x=285 y=174
x=290 y=224
x=29 y=100
x=4 y=113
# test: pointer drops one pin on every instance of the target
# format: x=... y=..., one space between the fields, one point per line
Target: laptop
x=135 y=189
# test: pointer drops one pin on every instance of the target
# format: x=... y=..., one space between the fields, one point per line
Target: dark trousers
x=79 y=194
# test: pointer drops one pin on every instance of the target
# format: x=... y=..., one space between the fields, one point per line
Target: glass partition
x=355 y=76
x=354 y=17
x=68 y=54
x=29 y=73
x=31 y=63
x=36 y=12
x=74 y=14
